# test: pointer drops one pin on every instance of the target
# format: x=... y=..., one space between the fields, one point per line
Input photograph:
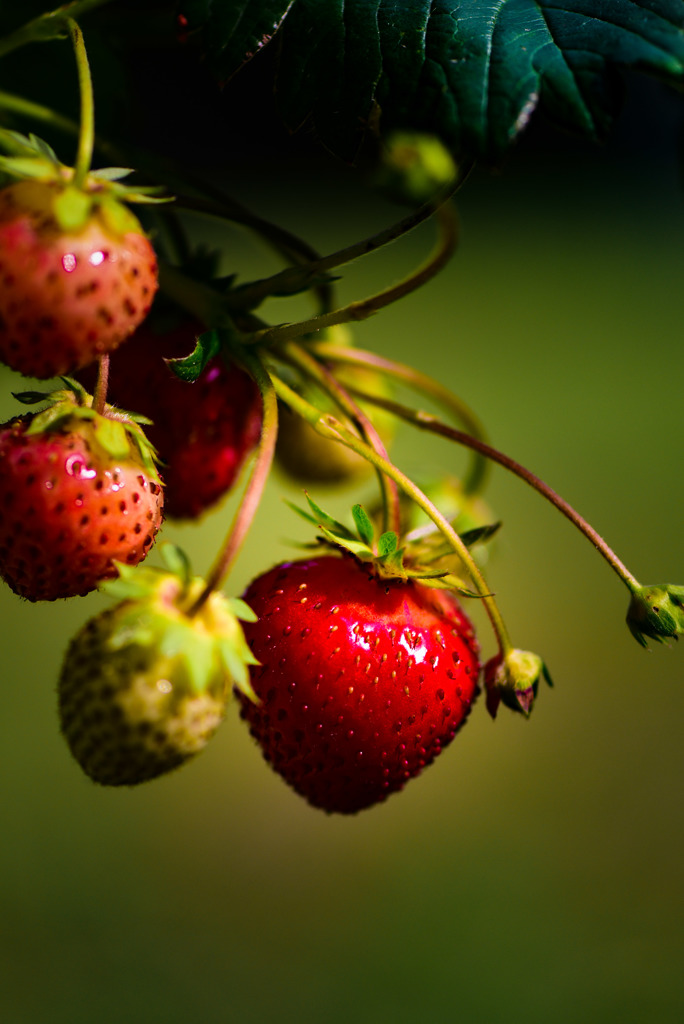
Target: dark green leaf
x=235 y=30
x=469 y=71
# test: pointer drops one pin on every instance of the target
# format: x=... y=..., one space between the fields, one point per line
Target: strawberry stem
x=473 y=481
x=329 y=427
x=86 y=136
x=426 y=421
x=314 y=369
x=51 y=25
x=257 y=481
x=294 y=249
x=294 y=280
x=364 y=308
x=100 y=395
x=37 y=112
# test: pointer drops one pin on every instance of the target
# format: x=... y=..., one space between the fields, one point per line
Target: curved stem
x=37 y=112
x=474 y=480
x=86 y=135
x=426 y=421
x=331 y=428
x=52 y=25
x=299 y=357
x=294 y=249
x=288 y=282
x=257 y=481
x=364 y=308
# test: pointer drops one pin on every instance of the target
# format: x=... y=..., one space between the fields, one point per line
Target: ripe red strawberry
x=203 y=431
x=68 y=294
x=363 y=680
x=76 y=494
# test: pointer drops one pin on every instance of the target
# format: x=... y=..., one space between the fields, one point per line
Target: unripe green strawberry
x=144 y=685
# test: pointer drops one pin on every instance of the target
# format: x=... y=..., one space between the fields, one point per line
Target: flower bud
x=657 y=613
x=413 y=167
x=514 y=679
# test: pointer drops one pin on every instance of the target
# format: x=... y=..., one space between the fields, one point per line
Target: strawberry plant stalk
x=328 y=426
x=86 y=135
x=298 y=356
x=474 y=479
x=52 y=25
x=426 y=421
x=364 y=308
x=255 y=487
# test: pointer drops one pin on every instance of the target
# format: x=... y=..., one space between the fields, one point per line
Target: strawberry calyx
x=512 y=678
x=205 y=646
x=58 y=197
x=113 y=434
x=391 y=557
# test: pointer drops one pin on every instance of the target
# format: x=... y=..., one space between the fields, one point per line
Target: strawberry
x=77 y=491
x=67 y=296
x=202 y=431
x=77 y=274
x=144 y=685
x=363 y=680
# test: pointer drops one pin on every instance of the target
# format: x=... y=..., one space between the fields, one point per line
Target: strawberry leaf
x=471 y=72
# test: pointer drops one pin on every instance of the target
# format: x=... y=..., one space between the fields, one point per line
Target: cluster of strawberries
x=352 y=680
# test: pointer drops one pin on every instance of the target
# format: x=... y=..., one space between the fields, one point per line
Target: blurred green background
x=535 y=871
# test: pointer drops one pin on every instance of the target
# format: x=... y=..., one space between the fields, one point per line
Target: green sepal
x=176 y=561
x=356 y=547
x=188 y=368
x=44 y=148
x=112 y=436
x=115 y=433
x=113 y=173
x=72 y=208
x=388 y=543
x=23 y=145
x=241 y=610
x=364 y=525
x=204 y=645
x=35 y=168
x=449 y=581
x=30 y=397
x=117 y=217
x=321 y=519
x=480 y=534
x=656 y=613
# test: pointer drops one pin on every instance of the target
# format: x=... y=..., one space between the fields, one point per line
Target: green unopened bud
x=657 y=613
x=514 y=679
x=414 y=167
